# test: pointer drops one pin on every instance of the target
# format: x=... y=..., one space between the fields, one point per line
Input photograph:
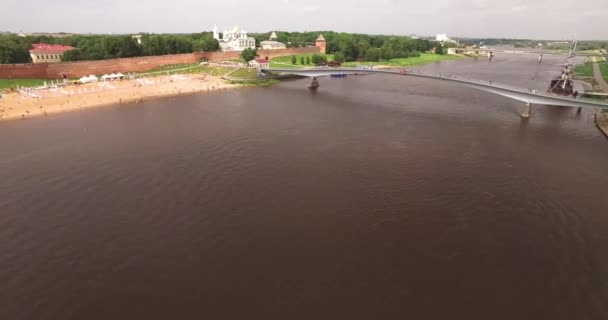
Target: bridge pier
x=527 y=112
x=314 y=84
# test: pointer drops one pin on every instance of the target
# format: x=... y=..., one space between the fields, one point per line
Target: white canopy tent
x=88 y=79
x=112 y=77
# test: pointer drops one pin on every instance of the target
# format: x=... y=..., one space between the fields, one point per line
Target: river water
x=378 y=197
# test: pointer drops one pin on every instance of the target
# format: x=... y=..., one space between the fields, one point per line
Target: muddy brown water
x=378 y=197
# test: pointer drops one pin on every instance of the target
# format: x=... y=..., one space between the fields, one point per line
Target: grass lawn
x=405 y=62
x=604 y=69
x=8 y=83
x=584 y=70
x=245 y=73
x=216 y=71
x=289 y=66
x=285 y=61
x=173 y=67
x=239 y=60
x=187 y=69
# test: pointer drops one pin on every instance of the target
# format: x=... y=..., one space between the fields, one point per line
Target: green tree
x=318 y=59
x=302 y=60
x=373 y=55
x=308 y=60
x=294 y=60
x=206 y=43
x=439 y=49
x=347 y=46
x=14 y=51
x=339 y=57
x=72 y=55
x=248 y=54
x=362 y=47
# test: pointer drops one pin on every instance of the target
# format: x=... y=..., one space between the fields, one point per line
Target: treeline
x=346 y=46
x=353 y=47
x=15 y=49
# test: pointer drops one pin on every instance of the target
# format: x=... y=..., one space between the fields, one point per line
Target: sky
x=531 y=19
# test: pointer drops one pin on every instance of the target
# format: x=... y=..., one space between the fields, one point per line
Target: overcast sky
x=539 y=19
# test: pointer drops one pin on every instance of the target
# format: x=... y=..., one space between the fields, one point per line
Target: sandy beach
x=77 y=97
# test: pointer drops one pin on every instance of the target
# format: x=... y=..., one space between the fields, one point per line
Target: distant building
x=259 y=63
x=48 y=53
x=272 y=44
x=137 y=38
x=322 y=44
x=442 y=37
x=234 y=40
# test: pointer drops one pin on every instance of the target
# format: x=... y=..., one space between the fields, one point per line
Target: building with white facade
x=442 y=37
x=272 y=43
x=137 y=38
x=234 y=40
x=48 y=53
x=259 y=63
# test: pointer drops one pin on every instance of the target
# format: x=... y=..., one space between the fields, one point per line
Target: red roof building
x=259 y=63
x=48 y=53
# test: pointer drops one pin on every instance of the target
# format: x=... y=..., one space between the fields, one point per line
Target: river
x=378 y=197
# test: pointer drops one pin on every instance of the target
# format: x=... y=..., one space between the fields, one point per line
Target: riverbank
x=73 y=98
x=601 y=120
x=424 y=58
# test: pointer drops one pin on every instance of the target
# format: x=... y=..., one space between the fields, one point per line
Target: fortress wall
x=138 y=64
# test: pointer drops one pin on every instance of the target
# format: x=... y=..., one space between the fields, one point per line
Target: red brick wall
x=139 y=64
x=215 y=56
x=23 y=71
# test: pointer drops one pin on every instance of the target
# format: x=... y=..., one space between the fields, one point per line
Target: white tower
x=216 y=35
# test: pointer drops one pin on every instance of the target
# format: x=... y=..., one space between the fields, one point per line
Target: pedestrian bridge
x=525 y=95
x=524 y=51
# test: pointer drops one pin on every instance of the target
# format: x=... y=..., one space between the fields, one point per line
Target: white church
x=234 y=40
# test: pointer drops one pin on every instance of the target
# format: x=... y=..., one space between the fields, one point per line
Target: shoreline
x=601 y=121
x=15 y=106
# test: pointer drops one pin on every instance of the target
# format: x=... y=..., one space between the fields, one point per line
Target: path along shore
x=78 y=97
x=601 y=118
